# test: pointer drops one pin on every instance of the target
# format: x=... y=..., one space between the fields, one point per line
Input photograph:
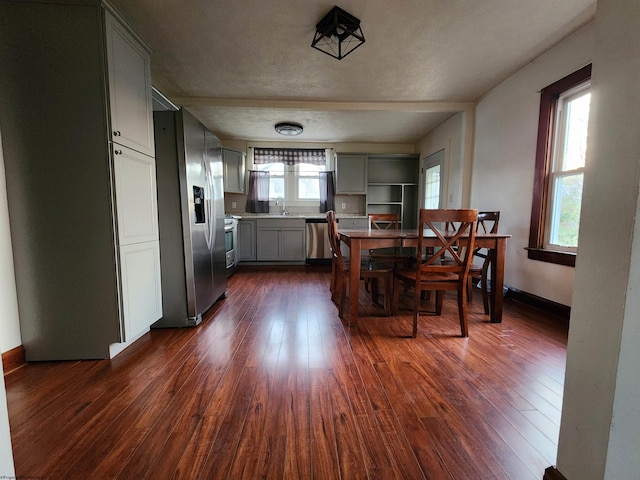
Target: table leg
x=355 y=253
x=497 y=279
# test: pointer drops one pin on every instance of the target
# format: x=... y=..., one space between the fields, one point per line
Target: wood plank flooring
x=273 y=385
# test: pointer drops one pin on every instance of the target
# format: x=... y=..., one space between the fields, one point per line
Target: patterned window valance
x=289 y=156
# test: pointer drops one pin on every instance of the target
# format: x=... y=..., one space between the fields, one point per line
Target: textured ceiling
x=242 y=66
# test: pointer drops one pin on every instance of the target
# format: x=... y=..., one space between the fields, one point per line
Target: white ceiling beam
x=319 y=105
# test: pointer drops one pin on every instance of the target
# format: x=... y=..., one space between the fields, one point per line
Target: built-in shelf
x=392 y=187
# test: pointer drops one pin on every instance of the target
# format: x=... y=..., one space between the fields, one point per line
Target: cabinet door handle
x=118 y=152
x=116 y=133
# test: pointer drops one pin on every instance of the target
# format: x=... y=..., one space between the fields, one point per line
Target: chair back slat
x=454 y=232
x=383 y=221
x=488 y=222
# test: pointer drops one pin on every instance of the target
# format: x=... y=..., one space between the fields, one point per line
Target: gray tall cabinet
x=77 y=132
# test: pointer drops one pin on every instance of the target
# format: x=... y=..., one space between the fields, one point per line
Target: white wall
x=600 y=426
x=504 y=160
x=6 y=454
x=9 y=328
x=504 y=149
x=448 y=136
x=9 y=324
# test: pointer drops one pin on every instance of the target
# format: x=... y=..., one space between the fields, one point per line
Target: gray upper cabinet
x=351 y=174
x=82 y=199
x=234 y=171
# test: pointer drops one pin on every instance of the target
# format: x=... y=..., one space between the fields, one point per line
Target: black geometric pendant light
x=338 y=34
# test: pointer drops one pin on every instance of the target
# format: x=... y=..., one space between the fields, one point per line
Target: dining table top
x=408 y=233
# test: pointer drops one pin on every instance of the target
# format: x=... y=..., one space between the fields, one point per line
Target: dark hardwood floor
x=273 y=385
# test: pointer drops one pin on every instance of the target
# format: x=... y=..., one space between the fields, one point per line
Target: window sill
x=550 y=256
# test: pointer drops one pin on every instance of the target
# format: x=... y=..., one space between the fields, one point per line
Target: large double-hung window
x=565 y=186
x=560 y=162
x=294 y=174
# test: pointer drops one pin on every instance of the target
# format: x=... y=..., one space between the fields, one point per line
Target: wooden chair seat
x=411 y=275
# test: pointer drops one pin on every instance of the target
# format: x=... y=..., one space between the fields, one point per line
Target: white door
x=433 y=168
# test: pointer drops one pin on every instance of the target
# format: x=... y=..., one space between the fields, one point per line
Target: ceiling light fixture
x=338 y=34
x=289 y=128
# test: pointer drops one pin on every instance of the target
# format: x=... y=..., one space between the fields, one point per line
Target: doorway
x=433 y=169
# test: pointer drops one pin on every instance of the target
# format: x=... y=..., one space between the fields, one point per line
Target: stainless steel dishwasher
x=318 y=251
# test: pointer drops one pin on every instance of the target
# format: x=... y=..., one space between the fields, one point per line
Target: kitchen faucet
x=278 y=200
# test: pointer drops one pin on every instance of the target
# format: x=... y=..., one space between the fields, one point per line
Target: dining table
x=365 y=238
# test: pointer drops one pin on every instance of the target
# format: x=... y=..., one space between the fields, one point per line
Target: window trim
x=544 y=148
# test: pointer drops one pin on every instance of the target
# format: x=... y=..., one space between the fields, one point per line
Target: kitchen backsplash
x=236 y=203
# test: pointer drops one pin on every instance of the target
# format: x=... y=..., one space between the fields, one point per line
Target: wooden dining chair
x=398 y=257
x=451 y=234
x=487 y=223
x=369 y=270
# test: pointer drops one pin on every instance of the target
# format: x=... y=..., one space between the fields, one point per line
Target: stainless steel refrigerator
x=191 y=218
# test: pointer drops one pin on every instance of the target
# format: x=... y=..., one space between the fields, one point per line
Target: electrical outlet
x=344 y=206
x=233 y=204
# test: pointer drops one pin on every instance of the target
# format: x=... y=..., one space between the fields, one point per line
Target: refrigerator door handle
x=210 y=227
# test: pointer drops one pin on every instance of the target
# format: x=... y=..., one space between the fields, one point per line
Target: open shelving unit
x=392 y=187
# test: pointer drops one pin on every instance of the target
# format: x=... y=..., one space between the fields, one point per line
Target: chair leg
x=485 y=290
x=462 y=313
x=416 y=311
x=341 y=293
x=396 y=296
x=439 y=299
x=375 y=290
x=470 y=288
x=332 y=281
x=388 y=287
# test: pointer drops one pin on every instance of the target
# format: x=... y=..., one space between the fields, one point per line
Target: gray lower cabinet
x=280 y=240
x=246 y=241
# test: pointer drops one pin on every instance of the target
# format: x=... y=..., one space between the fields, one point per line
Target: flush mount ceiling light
x=338 y=34
x=289 y=128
